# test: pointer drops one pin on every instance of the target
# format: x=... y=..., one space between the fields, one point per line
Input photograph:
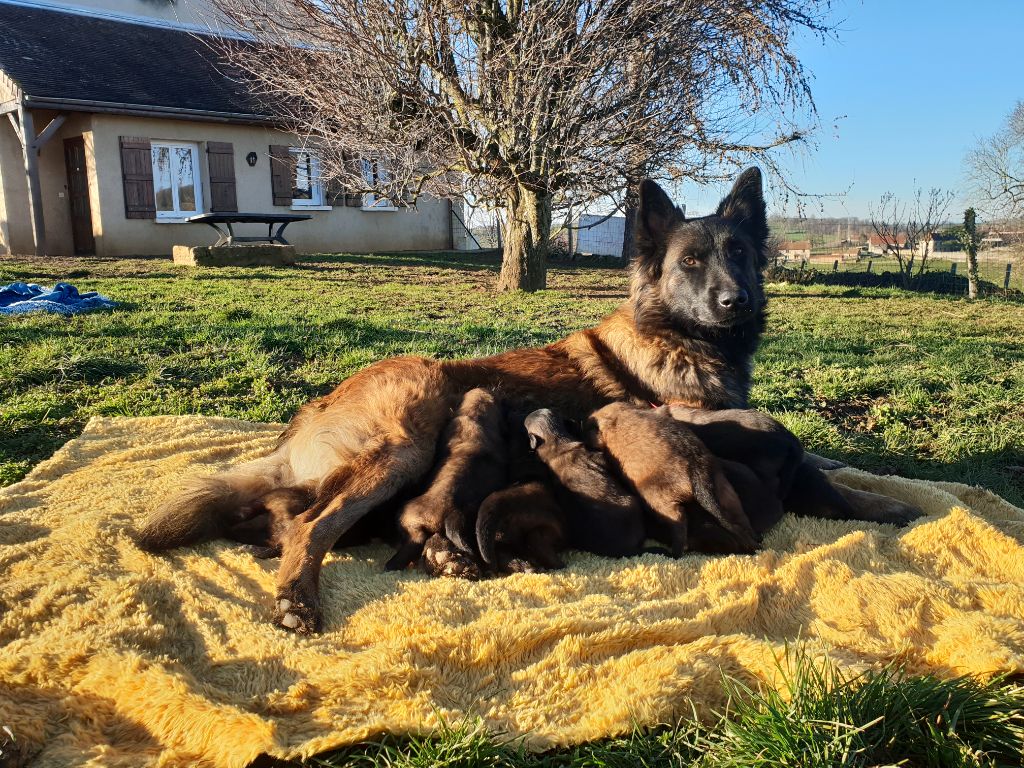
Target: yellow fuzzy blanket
x=111 y=656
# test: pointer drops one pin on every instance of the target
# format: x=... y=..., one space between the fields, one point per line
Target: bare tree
x=529 y=104
x=905 y=230
x=995 y=168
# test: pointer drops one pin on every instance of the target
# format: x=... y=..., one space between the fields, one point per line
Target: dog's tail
x=489 y=523
x=206 y=507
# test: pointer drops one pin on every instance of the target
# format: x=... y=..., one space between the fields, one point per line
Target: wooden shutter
x=355 y=166
x=334 y=192
x=220 y=156
x=282 y=174
x=137 y=176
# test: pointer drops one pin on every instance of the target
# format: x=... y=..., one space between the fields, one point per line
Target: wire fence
x=599 y=236
x=1000 y=271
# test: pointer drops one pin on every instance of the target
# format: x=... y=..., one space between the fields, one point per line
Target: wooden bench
x=229 y=219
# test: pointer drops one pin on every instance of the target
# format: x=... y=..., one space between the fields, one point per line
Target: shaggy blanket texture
x=114 y=657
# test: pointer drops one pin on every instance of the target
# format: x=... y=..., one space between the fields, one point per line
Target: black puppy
x=602 y=516
x=522 y=527
x=471 y=466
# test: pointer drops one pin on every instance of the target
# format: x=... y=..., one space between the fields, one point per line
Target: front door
x=78 y=196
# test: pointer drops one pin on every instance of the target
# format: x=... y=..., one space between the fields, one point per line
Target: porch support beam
x=35 y=190
x=47 y=133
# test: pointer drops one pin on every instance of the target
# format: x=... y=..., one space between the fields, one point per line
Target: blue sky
x=909 y=86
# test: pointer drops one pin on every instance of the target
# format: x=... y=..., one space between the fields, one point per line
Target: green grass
x=821 y=719
x=921 y=385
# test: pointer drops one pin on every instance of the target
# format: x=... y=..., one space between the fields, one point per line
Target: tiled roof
x=54 y=54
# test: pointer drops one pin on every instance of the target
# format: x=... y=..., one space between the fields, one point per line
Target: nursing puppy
x=522 y=527
x=760 y=456
x=672 y=471
x=789 y=478
x=471 y=466
x=603 y=517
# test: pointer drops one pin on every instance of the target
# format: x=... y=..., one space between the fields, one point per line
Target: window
x=176 y=187
x=375 y=174
x=307 y=190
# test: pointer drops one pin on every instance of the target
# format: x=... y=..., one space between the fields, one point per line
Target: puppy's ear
x=745 y=206
x=656 y=215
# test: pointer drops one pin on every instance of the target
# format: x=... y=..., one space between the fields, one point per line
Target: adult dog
x=686 y=334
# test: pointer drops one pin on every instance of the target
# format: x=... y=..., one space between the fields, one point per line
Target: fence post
x=1006 y=279
x=803 y=264
x=835 y=265
x=869 y=265
x=952 y=269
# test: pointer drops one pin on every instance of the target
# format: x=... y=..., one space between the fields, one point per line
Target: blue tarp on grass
x=19 y=298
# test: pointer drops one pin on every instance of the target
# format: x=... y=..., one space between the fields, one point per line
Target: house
x=796 y=249
x=883 y=245
x=118 y=121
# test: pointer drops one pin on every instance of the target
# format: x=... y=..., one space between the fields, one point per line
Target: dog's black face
x=702 y=272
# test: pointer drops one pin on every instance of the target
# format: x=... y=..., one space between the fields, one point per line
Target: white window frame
x=197 y=180
x=317 y=197
x=371 y=173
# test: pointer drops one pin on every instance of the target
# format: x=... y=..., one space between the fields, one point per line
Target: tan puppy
x=671 y=470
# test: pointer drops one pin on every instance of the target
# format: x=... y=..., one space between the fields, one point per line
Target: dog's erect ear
x=745 y=204
x=655 y=217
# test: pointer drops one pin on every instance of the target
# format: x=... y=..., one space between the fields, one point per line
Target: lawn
x=923 y=386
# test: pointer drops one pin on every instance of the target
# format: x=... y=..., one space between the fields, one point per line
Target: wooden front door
x=78 y=196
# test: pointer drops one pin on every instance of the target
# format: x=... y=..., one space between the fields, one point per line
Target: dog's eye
x=736 y=252
x=690 y=261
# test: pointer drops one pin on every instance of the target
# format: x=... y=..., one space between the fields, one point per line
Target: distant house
x=796 y=249
x=118 y=121
x=881 y=246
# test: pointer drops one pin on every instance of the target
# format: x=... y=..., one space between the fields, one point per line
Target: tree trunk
x=629 y=208
x=972 y=274
x=527 y=233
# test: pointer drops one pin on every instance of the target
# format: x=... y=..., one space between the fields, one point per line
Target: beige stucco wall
x=340 y=229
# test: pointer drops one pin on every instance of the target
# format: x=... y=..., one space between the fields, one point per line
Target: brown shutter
x=220 y=156
x=355 y=165
x=334 y=192
x=137 y=176
x=282 y=174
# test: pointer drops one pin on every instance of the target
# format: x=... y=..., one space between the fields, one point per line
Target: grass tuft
x=824 y=717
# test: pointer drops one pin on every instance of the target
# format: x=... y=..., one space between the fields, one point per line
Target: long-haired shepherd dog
x=686 y=334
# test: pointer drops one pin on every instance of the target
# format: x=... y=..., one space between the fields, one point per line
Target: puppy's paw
x=298 y=614
x=442 y=558
x=900 y=514
x=820 y=462
x=261 y=553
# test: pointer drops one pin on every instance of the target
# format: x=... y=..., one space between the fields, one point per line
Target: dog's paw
x=442 y=558
x=298 y=614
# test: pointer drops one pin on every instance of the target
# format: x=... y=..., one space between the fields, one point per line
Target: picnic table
x=228 y=219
